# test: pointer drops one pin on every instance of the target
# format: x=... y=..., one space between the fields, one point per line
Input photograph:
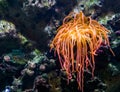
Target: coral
x=40 y=84
x=54 y=81
x=6 y=28
x=35 y=19
x=76 y=44
x=41 y=3
x=16 y=56
x=88 y=6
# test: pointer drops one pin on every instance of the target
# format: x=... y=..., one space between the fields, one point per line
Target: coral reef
x=27 y=28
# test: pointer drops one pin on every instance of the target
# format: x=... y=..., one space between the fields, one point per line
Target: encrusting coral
x=76 y=44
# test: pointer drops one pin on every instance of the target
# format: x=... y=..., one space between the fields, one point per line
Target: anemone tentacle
x=76 y=44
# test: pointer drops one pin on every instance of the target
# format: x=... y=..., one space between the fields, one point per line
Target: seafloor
x=27 y=28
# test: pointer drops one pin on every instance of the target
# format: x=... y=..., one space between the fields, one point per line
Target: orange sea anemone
x=76 y=43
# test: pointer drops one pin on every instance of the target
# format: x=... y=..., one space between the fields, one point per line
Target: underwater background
x=28 y=64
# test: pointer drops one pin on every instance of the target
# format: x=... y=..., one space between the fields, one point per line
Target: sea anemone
x=76 y=43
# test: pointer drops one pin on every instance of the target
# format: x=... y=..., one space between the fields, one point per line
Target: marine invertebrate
x=76 y=44
x=7 y=27
x=7 y=58
x=40 y=3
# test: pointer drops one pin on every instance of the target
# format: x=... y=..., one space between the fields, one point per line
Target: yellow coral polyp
x=76 y=43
